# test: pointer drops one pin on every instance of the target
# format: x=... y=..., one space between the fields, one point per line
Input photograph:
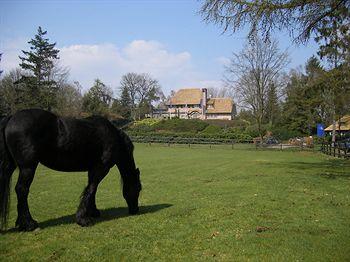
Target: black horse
x=93 y=144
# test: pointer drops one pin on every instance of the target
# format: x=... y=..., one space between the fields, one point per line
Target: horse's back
x=32 y=124
x=64 y=144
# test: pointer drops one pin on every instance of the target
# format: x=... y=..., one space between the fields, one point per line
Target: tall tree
x=315 y=91
x=98 y=99
x=219 y=92
x=334 y=39
x=297 y=107
x=1 y=71
x=333 y=36
x=272 y=105
x=301 y=18
x=253 y=71
x=142 y=91
x=315 y=97
x=130 y=84
x=39 y=63
x=122 y=106
x=12 y=95
x=69 y=100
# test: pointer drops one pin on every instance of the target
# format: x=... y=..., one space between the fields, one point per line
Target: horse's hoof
x=27 y=225
x=84 y=222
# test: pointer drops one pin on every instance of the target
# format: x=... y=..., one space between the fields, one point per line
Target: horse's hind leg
x=24 y=222
x=87 y=208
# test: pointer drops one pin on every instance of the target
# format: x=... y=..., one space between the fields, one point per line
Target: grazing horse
x=93 y=144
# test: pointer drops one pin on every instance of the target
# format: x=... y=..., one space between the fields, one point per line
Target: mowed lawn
x=197 y=204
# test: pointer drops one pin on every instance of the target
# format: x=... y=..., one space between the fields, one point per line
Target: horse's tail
x=7 y=166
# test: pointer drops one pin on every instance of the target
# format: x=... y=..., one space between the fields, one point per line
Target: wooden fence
x=186 y=141
x=234 y=143
x=337 y=149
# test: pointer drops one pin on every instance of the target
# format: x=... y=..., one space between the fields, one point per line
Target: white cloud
x=109 y=62
x=211 y=83
x=11 y=49
x=223 y=60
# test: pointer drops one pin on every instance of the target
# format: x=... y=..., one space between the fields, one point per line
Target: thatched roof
x=193 y=96
x=189 y=96
x=344 y=124
x=220 y=105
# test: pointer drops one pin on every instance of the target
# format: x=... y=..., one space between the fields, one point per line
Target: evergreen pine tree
x=122 y=106
x=125 y=103
x=272 y=107
x=98 y=99
x=41 y=89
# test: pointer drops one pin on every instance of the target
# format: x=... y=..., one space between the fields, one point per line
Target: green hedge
x=207 y=129
x=223 y=135
x=170 y=125
x=181 y=125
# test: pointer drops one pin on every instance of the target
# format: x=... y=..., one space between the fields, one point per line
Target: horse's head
x=131 y=190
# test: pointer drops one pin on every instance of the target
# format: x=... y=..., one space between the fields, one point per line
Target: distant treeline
x=288 y=104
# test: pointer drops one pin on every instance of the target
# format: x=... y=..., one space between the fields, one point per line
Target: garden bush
x=210 y=129
x=181 y=125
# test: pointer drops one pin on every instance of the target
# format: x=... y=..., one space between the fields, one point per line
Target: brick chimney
x=204 y=102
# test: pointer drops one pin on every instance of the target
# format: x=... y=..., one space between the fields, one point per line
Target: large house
x=194 y=103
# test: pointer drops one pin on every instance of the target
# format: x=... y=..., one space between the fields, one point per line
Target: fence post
x=345 y=151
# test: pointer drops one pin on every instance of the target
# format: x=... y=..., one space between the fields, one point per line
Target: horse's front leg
x=92 y=209
x=87 y=208
x=24 y=221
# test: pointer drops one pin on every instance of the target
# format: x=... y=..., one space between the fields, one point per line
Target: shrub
x=236 y=123
x=181 y=125
x=212 y=130
x=283 y=133
x=120 y=122
x=253 y=130
x=147 y=122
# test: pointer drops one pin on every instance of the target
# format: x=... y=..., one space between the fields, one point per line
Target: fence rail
x=189 y=141
x=338 y=149
x=213 y=141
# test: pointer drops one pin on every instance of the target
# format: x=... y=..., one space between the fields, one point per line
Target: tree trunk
x=333 y=131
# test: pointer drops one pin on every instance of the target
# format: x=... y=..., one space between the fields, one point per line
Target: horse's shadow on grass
x=106 y=215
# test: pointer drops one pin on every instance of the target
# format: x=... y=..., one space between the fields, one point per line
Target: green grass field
x=197 y=204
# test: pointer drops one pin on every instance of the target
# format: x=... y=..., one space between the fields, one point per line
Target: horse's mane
x=126 y=141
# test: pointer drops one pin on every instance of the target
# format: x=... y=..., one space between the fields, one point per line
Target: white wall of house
x=219 y=116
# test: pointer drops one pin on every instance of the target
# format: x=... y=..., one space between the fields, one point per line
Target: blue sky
x=107 y=39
